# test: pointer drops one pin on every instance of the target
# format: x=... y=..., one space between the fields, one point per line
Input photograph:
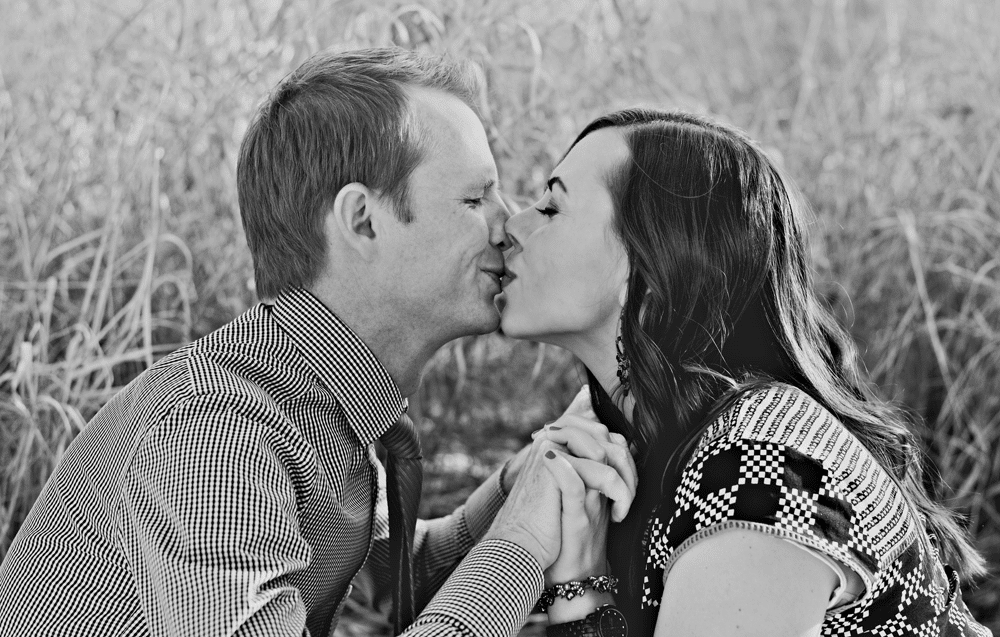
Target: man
x=232 y=488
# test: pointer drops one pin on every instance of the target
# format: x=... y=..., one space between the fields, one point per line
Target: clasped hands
x=563 y=490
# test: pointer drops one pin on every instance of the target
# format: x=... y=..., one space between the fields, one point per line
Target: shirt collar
x=342 y=361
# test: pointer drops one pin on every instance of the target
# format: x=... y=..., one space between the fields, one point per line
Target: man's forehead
x=451 y=133
x=439 y=109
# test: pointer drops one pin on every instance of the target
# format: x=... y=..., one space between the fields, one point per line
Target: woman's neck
x=599 y=356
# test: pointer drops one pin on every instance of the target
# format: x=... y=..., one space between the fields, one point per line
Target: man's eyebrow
x=483 y=185
x=555 y=180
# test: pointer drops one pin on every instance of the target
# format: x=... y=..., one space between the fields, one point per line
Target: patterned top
x=233 y=489
x=779 y=463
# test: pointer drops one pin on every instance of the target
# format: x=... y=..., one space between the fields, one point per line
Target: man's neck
x=399 y=345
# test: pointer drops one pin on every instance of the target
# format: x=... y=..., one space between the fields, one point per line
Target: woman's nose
x=515 y=227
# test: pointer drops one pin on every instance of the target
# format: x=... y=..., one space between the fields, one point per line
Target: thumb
x=581 y=405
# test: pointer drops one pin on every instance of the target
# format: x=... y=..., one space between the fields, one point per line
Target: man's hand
x=530 y=517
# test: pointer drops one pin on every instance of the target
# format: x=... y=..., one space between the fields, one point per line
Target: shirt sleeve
x=781 y=465
x=489 y=595
x=849 y=585
x=439 y=544
x=211 y=544
x=759 y=486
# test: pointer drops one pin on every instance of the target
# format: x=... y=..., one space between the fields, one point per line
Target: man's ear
x=350 y=219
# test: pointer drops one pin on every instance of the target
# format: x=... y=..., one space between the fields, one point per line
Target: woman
x=777 y=495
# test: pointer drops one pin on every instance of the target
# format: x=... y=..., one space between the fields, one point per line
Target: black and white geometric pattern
x=779 y=463
x=233 y=489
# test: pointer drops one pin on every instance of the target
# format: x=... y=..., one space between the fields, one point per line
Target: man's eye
x=475 y=203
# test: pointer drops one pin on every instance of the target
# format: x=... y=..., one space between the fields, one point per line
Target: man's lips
x=501 y=275
x=496 y=275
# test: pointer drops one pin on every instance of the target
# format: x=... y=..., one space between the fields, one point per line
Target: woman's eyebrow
x=555 y=180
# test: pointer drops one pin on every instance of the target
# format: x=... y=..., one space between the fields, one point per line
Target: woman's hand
x=584 y=522
x=579 y=407
x=611 y=466
x=583 y=550
x=594 y=470
x=593 y=479
x=579 y=432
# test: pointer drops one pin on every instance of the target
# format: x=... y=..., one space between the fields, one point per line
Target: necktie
x=404 y=475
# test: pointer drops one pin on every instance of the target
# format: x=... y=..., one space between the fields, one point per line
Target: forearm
x=442 y=543
x=439 y=545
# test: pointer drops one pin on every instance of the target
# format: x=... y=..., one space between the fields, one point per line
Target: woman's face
x=568 y=269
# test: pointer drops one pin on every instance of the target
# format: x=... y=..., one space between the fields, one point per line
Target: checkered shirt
x=779 y=463
x=233 y=489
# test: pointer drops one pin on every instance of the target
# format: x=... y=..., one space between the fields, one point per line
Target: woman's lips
x=508 y=276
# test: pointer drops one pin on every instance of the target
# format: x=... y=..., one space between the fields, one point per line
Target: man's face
x=446 y=263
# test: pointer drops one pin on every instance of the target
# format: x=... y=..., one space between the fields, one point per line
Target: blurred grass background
x=120 y=236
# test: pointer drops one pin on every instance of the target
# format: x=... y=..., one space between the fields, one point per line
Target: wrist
x=568 y=610
x=597 y=585
x=512 y=469
x=579 y=571
x=523 y=539
x=606 y=621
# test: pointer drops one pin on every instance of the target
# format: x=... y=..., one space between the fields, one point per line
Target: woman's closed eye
x=549 y=210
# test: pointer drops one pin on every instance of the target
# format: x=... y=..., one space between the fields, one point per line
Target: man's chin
x=494 y=323
x=489 y=320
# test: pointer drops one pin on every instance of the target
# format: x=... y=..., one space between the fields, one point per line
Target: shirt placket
x=373 y=489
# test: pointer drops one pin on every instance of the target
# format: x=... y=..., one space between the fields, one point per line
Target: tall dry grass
x=120 y=237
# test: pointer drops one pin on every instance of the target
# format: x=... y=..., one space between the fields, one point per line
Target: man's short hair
x=338 y=118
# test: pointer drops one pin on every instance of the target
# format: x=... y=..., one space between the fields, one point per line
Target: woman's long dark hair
x=720 y=301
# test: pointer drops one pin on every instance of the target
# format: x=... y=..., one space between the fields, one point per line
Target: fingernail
x=550 y=454
x=555 y=427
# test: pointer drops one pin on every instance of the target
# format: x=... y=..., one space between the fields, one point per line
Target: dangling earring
x=623 y=362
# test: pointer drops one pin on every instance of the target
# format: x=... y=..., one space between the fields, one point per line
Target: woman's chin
x=512 y=322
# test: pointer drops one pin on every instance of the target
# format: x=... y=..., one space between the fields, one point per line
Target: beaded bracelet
x=569 y=590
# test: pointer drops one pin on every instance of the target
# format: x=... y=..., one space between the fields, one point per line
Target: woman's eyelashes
x=549 y=210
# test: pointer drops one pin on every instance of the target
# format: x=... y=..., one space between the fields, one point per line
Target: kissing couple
x=726 y=471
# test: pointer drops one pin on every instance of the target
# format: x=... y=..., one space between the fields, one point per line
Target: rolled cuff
x=489 y=595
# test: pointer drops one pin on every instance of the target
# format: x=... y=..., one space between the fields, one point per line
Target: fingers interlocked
x=600 y=458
